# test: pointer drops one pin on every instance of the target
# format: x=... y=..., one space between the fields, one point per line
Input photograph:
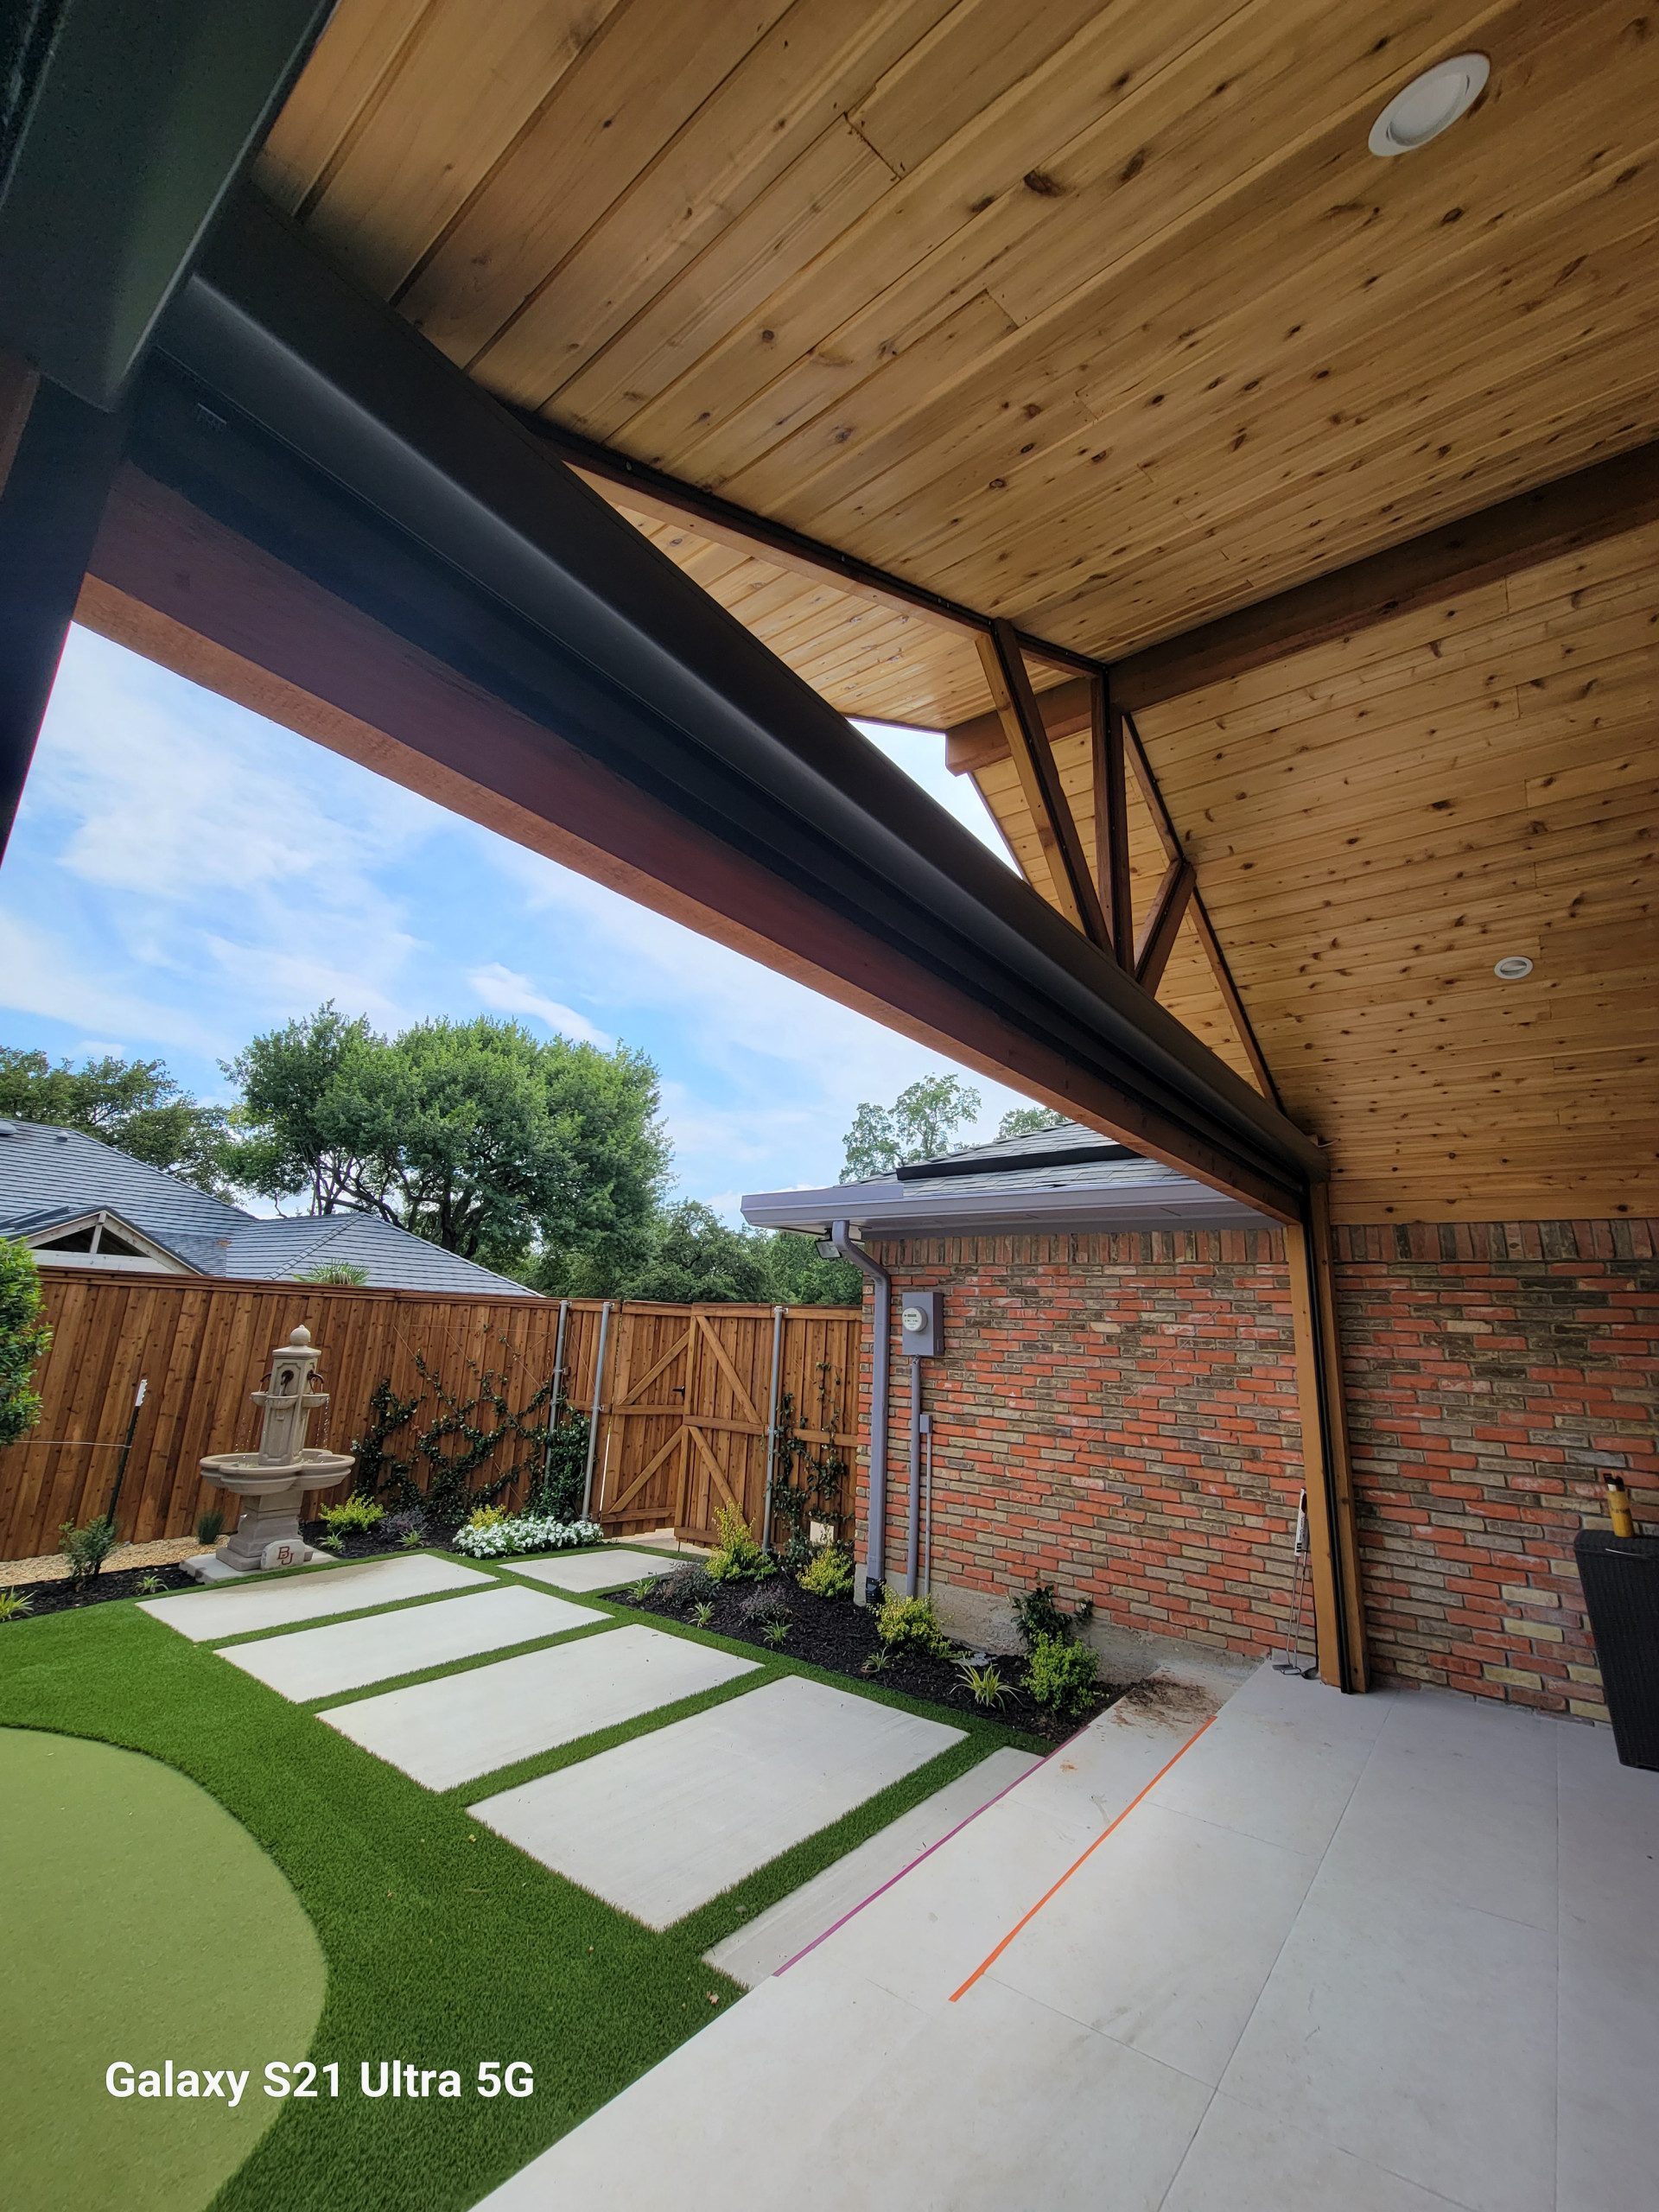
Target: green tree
x=695 y=1259
x=134 y=1105
x=24 y=1337
x=920 y=1124
x=1031 y=1121
x=519 y=1153
x=801 y=1276
x=304 y=1122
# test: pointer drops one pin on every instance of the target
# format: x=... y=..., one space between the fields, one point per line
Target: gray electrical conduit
x=875 y=1547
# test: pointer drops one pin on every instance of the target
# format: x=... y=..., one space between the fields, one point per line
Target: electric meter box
x=921 y=1322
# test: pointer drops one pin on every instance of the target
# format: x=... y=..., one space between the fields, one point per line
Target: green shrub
x=738 y=1559
x=24 y=1337
x=1061 y=1677
x=344 y=1271
x=911 y=1623
x=986 y=1683
x=87 y=1549
x=831 y=1575
x=1037 y=1613
x=353 y=1516
x=13 y=1604
x=210 y=1526
x=486 y=1516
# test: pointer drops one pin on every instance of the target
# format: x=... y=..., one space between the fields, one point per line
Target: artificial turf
x=143 y=1923
x=446 y=1946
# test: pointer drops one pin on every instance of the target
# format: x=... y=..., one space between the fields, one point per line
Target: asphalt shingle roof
x=1026 y=1183
x=50 y=1175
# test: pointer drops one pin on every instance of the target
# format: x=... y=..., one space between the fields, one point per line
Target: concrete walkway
x=1380 y=1955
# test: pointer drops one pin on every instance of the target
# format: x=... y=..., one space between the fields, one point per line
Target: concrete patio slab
x=784 y=1931
x=349 y=1655
x=660 y=1825
x=601 y=1570
x=450 y=1731
x=1405 y=2049
x=202 y=1616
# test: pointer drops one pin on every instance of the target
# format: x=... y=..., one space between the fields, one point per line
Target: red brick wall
x=1495 y=1374
x=1114 y=1414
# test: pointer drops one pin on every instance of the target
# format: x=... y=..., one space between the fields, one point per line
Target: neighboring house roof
x=1054 y=1180
x=54 y=1177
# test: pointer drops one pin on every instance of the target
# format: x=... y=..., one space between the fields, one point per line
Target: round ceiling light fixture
x=1511 y=970
x=1430 y=104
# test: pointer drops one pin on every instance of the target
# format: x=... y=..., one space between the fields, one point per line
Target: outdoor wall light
x=1430 y=104
x=1512 y=969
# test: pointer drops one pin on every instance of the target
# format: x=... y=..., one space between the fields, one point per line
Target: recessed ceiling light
x=1514 y=967
x=1430 y=104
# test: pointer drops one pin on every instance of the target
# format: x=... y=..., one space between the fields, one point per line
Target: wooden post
x=1111 y=820
x=1338 y=1615
x=1033 y=757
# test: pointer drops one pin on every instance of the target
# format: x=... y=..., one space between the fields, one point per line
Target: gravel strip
x=53 y=1567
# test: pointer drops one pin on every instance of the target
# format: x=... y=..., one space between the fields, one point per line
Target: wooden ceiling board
x=1103 y=318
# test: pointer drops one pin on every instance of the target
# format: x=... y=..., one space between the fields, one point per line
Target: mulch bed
x=835 y=1634
x=62 y=1597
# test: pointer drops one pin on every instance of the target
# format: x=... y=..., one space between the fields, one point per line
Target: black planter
x=1621 y=1595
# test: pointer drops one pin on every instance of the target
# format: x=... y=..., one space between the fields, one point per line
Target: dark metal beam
x=125 y=123
x=305 y=422
x=1540 y=525
x=61 y=462
x=1040 y=779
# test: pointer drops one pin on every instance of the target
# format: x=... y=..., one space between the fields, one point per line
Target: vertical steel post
x=778 y=1314
x=553 y=1401
x=593 y=1418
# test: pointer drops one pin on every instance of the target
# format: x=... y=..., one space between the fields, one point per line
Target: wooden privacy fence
x=684 y=1396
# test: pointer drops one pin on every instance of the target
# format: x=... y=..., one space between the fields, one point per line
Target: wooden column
x=57 y=458
x=1111 y=820
x=1338 y=1612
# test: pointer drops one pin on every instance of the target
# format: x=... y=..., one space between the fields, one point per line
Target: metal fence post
x=593 y=1418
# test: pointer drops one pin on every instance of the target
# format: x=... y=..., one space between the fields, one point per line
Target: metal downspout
x=876 y=1533
x=778 y=1314
x=593 y=1418
x=913 y=1522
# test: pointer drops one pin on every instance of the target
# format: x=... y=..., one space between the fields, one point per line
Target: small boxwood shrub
x=1061 y=1675
x=1037 y=1613
x=911 y=1623
x=738 y=1559
x=353 y=1515
x=831 y=1575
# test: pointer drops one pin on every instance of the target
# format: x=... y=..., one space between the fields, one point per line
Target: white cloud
x=39 y=974
x=507 y=993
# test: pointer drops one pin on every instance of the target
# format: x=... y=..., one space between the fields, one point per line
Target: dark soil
x=63 y=1597
x=835 y=1634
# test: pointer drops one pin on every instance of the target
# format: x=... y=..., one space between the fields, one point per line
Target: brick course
x=1118 y=1415
x=1495 y=1373
x=1114 y=1415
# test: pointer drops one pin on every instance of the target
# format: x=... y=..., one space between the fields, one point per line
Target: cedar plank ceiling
x=1103 y=318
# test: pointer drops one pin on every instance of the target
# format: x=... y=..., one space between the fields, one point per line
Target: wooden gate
x=687 y=1410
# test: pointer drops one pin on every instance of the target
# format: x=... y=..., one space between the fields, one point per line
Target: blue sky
x=184 y=874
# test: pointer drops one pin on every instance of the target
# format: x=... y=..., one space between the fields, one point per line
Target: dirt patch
x=52 y=1566
x=1165 y=1699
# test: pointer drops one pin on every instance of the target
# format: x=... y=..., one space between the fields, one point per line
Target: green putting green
x=144 y=1927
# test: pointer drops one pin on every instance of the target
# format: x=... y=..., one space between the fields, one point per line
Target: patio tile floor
x=203 y=1615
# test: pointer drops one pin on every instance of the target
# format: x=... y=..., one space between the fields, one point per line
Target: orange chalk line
x=1072 y=1868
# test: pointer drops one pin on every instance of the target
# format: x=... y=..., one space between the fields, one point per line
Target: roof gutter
x=876 y=1523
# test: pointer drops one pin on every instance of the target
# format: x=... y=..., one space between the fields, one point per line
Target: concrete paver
x=464 y=1726
x=203 y=1615
x=661 y=1824
x=349 y=1655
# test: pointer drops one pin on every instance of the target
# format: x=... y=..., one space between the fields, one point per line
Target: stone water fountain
x=272 y=1482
